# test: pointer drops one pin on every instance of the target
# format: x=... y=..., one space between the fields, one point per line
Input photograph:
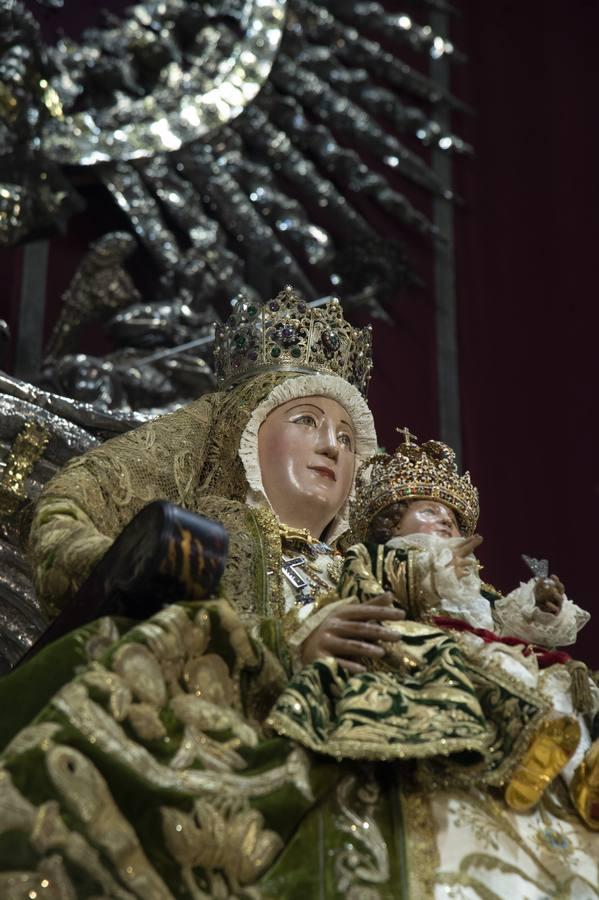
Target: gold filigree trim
x=363 y=864
x=547 y=850
x=396 y=571
x=422 y=851
x=270 y=538
x=417 y=605
x=27 y=448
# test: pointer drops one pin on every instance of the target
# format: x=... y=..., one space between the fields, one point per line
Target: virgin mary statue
x=138 y=761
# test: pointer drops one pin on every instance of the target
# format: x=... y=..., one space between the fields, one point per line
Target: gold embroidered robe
x=146 y=770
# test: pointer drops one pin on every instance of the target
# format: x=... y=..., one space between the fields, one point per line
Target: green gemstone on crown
x=309 y=338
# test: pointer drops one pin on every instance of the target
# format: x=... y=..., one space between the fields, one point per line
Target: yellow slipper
x=584 y=789
x=549 y=751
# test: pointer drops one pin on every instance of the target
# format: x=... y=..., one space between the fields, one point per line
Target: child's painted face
x=428 y=517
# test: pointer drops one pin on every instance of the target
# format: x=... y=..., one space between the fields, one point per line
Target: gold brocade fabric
x=487 y=852
x=150 y=775
x=188 y=457
x=468 y=722
x=425 y=699
x=171 y=714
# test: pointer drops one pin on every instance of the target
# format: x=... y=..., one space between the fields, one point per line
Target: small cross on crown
x=408 y=437
x=413 y=472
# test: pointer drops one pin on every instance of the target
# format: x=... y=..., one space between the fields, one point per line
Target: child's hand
x=351 y=632
x=549 y=595
x=460 y=561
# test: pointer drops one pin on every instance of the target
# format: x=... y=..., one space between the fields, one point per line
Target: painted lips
x=324 y=471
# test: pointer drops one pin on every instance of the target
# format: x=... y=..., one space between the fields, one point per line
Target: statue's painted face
x=307 y=456
x=428 y=517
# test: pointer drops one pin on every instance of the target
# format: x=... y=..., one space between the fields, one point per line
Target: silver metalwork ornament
x=538 y=567
x=99 y=287
x=244 y=141
x=34 y=193
x=260 y=202
x=71 y=429
x=186 y=104
x=21 y=617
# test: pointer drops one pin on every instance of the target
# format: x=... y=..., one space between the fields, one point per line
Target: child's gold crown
x=414 y=472
x=290 y=335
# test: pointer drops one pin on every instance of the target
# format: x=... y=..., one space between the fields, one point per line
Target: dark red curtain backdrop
x=527 y=256
x=527 y=243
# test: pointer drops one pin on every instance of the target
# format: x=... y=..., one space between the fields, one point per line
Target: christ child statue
x=417 y=517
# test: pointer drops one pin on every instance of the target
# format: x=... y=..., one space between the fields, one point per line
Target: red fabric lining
x=545 y=657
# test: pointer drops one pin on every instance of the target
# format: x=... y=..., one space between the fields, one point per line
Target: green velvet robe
x=138 y=761
x=148 y=769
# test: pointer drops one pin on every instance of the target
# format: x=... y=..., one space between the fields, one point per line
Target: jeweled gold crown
x=413 y=472
x=287 y=334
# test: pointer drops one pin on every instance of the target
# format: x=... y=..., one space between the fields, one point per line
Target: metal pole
x=30 y=326
x=448 y=385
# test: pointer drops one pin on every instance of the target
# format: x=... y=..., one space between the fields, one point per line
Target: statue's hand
x=351 y=632
x=460 y=561
x=549 y=595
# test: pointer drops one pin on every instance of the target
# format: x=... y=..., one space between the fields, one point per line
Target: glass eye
x=306 y=419
x=345 y=439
